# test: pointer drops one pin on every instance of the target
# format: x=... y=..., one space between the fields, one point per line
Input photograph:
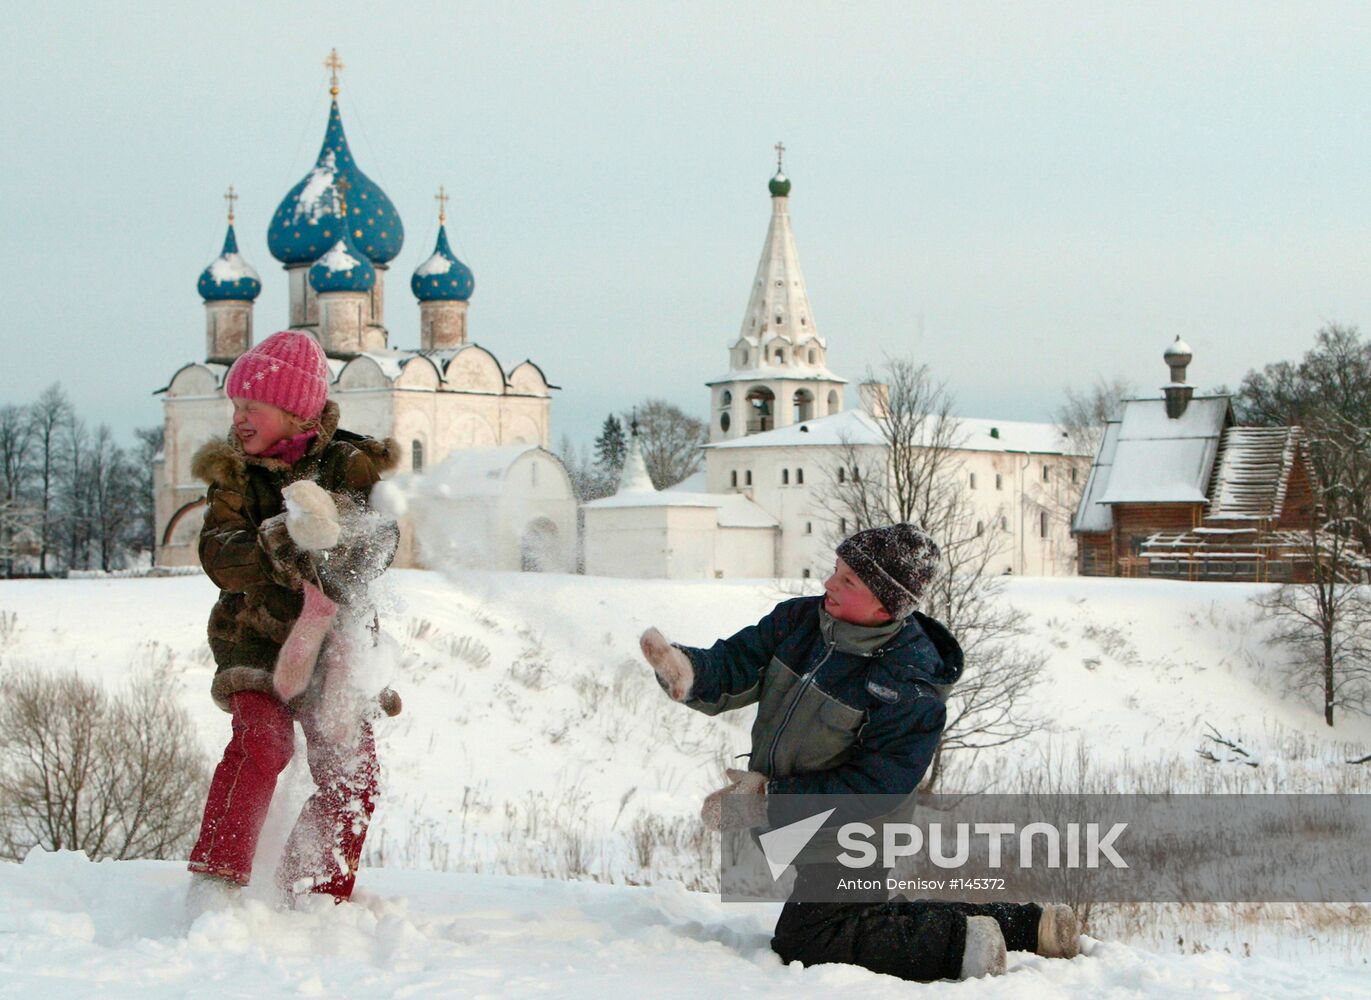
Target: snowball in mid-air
x=389 y=499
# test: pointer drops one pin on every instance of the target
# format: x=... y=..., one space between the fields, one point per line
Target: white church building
x=336 y=234
x=780 y=427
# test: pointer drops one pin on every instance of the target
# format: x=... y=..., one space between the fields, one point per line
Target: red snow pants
x=325 y=846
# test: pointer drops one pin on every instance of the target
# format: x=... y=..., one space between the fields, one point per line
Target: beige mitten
x=750 y=788
x=311 y=516
x=673 y=668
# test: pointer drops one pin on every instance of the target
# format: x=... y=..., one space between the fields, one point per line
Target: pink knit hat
x=288 y=370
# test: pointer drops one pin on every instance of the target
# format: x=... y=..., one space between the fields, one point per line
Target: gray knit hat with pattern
x=896 y=563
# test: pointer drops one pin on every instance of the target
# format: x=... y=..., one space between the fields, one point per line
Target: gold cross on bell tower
x=231 y=196
x=780 y=155
x=333 y=64
x=441 y=198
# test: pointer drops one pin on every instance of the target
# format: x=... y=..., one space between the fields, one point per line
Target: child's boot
x=1058 y=932
x=209 y=894
x=984 y=951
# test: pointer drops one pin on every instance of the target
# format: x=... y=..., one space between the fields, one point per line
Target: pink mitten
x=295 y=661
x=674 y=671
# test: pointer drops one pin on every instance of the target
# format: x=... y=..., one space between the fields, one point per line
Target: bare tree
x=75 y=494
x=1081 y=418
x=1326 y=623
x=50 y=414
x=16 y=441
x=1329 y=386
x=670 y=439
x=113 y=488
x=589 y=478
x=913 y=472
x=116 y=777
x=141 y=535
x=1083 y=413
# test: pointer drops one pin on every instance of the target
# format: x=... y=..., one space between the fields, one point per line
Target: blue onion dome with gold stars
x=310 y=219
x=342 y=268
x=229 y=278
x=442 y=278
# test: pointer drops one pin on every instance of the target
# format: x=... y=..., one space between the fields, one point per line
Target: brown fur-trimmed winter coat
x=251 y=558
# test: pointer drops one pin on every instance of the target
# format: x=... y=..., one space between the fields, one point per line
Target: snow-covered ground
x=535 y=742
x=69 y=928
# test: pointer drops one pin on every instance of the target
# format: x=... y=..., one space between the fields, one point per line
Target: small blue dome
x=343 y=269
x=229 y=277
x=442 y=278
x=307 y=221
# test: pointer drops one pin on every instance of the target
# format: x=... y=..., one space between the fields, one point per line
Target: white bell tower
x=778 y=369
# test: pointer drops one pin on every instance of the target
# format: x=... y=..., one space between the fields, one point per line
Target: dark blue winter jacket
x=842 y=709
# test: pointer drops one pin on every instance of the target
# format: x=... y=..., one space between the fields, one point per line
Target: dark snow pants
x=920 y=940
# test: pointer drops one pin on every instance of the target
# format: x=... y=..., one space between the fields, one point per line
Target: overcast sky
x=1024 y=196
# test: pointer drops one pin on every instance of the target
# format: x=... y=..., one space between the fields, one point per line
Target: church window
x=999 y=481
x=733 y=479
x=1074 y=470
x=779 y=283
x=842 y=526
x=813 y=356
x=785 y=477
x=725 y=421
x=973 y=480
x=1004 y=523
x=856 y=474
x=980 y=528
x=842 y=474
x=416 y=456
x=805 y=574
x=780 y=355
x=809 y=527
x=1042 y=524
x=745 y=357
x=778 y=320
x=747 y=478
x=799 y=477
x=727 y=398
x=1047 y=472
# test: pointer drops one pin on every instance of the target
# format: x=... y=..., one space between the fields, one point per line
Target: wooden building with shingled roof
x=1178 y=490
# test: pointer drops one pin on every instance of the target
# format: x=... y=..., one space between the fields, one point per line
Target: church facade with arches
x=337 y=234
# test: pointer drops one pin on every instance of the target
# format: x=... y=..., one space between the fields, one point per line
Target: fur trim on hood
x=224 y=462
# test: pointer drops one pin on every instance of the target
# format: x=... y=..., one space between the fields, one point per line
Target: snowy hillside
x=534 y=742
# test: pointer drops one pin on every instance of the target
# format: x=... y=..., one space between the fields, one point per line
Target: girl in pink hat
x=290 y=542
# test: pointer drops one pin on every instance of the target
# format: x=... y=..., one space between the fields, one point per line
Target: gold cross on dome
x=441 y=198
x=230 y=196
x=780 y=155
x=333 y=64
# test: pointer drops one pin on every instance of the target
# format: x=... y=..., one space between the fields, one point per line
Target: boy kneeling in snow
x=850 y=689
